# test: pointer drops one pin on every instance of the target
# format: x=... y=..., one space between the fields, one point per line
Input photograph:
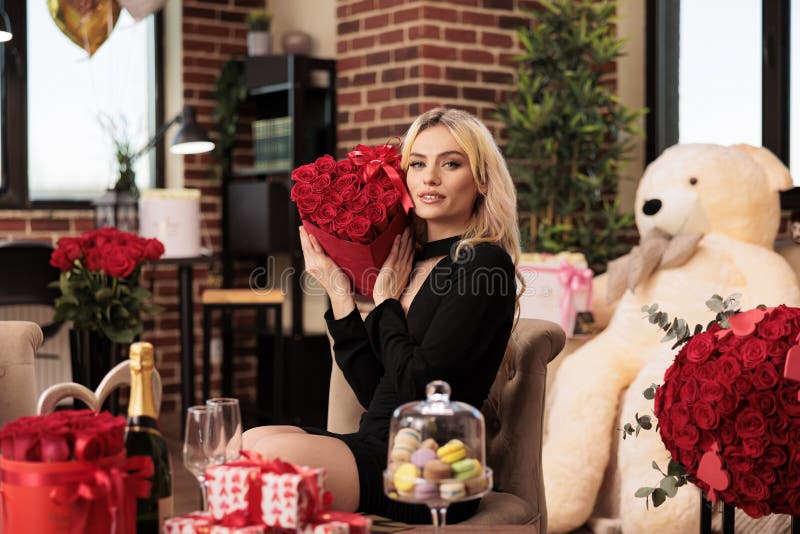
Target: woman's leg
x=254 y=435
x=316 y=451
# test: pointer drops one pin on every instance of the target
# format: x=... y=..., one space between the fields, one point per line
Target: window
x=63 y=109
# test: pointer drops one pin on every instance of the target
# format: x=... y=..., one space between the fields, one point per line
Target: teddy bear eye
x=693 y=180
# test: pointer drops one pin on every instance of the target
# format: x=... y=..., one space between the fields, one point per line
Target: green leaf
x=103 y=295
x=649 y=393
x=669 y=486
x=645 y=422
x=675 y=469
x=658 y=496
x=644 y=492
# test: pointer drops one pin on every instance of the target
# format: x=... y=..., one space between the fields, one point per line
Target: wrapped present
x=254 y=491
x=330 y=527
x=204 y=523
x=558 y=289
x=354 y=208
x=356 y=524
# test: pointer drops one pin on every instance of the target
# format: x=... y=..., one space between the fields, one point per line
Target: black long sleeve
x=354 y=355
x=466 y=338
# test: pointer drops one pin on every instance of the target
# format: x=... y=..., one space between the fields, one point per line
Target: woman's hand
x=393 y=276
x=329 y=275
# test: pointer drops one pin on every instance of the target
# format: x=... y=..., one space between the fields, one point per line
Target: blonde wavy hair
x=494 y=217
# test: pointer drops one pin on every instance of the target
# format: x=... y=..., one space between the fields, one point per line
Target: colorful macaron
x=430 y=443
x=405 y=477
x=401 y=452
x=425 y=489
x=475 y=485
x=422 y=456
x=451 y=452
x=452 y=490
x=409 y=437
x=436 y=470
x=467 y=468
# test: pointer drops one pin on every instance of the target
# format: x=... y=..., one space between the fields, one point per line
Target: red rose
x=737 y=461
x=705 y=416
x=679 y=415
x=765 y=376
x=349 y=194
x=325 y=213
x=686 y=436
x=301 y=190
x=305 y=173
x=773 y=329
x=753 y=351
x=700 y=347
x=325 y=164
x=309 y=204
x=153 y=249
x=358 y=230
x=780 y=427
x=358 y=204
x=373 y=191
x=743 y=385
x=727 y=405
x=728 y=343
x=688 y=370
x=689 y=458
x=71 y=246
x=755 y=509
x=689 y=391
x=764 y=403
x=59 y=260
x=726 y=434
x=342 y=219
x=376 y=213
x=711 y=391
x=750 y=486
x=750 y=423
x=116 y=263
x=707 y=372
x=777 y=347
x=345 y=166
x=787 y=398
x=728 y=369
x=55 y=446
x=322 y=182
x=346 y=181
x=754 y=447
x=389 y=199
x=774 y=456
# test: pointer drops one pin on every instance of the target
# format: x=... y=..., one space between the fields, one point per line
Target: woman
x=450 y=318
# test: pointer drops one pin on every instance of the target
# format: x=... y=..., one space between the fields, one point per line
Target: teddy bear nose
x=651 y=206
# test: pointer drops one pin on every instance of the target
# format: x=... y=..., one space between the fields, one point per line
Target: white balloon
x=139 y=9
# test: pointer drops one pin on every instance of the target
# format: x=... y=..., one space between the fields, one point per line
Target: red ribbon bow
x=573 y=279
x=374 y=158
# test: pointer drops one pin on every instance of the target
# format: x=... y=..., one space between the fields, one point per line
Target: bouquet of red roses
x=99 y=281
x=354 y=207
x=70 y=468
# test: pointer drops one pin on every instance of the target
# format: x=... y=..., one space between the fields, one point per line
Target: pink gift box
x=284 y=500
x=333 y=527
x=229 y=488
x=187 y=524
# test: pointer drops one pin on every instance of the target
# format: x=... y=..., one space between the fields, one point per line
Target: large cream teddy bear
x=709 y=214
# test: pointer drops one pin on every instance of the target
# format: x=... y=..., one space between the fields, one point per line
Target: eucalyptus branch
x=674 y=478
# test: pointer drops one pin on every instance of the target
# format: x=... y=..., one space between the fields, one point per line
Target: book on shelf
x=272 y=144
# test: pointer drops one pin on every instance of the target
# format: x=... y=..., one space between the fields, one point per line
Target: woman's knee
x=256 y=434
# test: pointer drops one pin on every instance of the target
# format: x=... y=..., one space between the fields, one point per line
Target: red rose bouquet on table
x=354 y=207
x=67 y=472
x=728 y=410
x=99 y=281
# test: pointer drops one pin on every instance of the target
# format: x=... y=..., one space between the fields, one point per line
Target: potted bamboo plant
x=258 y=37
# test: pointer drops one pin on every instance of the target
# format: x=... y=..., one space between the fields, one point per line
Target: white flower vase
x=258 y=43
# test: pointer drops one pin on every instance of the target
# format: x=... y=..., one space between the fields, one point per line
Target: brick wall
x=400 y=58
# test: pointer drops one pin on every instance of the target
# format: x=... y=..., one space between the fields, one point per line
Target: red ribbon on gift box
x=106 y=487
x=373 y=159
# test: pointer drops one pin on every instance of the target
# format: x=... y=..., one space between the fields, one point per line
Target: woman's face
x=441 y=183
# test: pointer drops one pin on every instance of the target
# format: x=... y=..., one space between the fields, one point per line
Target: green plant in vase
x=568 y=133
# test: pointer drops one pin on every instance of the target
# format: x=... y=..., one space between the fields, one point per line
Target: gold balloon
x=87 y=23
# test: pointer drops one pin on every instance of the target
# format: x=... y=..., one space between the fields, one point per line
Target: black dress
x=457 y=329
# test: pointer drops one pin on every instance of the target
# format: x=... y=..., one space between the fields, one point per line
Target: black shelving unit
x=259 y=219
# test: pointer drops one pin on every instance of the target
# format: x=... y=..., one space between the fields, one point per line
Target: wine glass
x=231 y=425
x=203 y=444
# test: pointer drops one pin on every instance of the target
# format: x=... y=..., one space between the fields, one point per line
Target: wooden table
x=474 y=529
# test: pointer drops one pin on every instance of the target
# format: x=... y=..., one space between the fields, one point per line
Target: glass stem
x=203 y=492
x=443 y=517
x=439 y=516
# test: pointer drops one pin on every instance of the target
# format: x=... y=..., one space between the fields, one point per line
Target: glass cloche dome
x=437 y=453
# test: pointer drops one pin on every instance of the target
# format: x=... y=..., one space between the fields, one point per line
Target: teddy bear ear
x=777 y=173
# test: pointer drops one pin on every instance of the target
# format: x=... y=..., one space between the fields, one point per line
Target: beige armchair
x=20 y=341
x=514 y=417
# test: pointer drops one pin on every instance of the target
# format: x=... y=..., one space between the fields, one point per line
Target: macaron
x=452 y=490
x=430 y=443
x=405 y=477
x=408 y=436
x=467 y=468
x=422 y=456
x=475 y=485
x=401 y=452
x=453 y=451
x=425 y=489
x=436 y=470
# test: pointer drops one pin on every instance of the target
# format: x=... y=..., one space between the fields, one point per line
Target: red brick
x=465 y=2
x=199 y=46
x=478 y=93
x=437 y=52
x=382 y=132
x=250 y=3
x=397 y=111
x=348 y=27
x=393 y=36
x=497 y=40
x=343 y=11
x=507 y=60
x=428 y=72
x=50 y=224
x=378 y=58
x=425 y=31
x=363 y=42
x=364 y=78
x=342 y=117
x=207 y=14
x=439 y=14
x=435 y=89
x=479 y=19
x=233 y=49
x=476 y=56
x=349 y=134
x=384 y=4
x=83 y=225
x=460 y=75
x=460 y=36
x=349 y=63
x=508 y=5
x=492 y=76
x=406 y=91
x=348 y=99
x=364 y=5
x=364 y=115
x=406 y=15
x=376 y=21
x=512 y=23
x=393 y=75
x=379 y=95
x=197 y=77
x=341 y=47
x=407 y=53
x=231 y=16
x=12 y=225
x=205 y=29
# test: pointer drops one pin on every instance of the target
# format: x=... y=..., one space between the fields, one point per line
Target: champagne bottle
x=142 y=437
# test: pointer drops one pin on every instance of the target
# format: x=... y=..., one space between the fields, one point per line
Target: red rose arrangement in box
x=99 y=281
x=354 y=207
x=70 y=468
x=728 y=410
